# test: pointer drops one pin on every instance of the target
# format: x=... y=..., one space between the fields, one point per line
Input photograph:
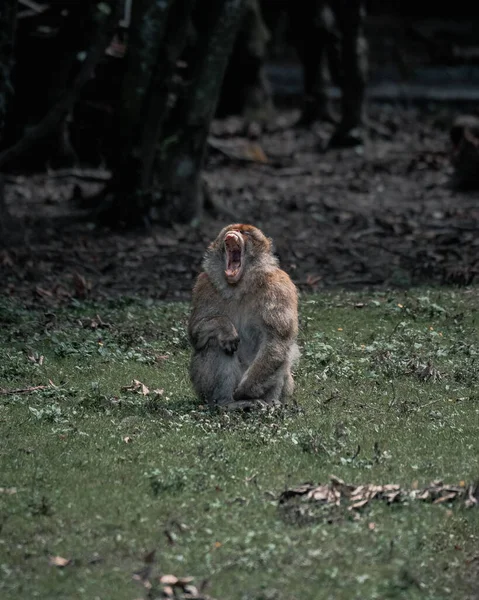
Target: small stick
x=26 y=390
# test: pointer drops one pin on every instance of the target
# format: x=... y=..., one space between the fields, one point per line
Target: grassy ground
x=387 y=392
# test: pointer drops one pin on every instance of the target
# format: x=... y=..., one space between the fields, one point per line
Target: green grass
x=387 y=392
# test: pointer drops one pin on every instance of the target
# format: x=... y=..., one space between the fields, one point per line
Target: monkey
x=243 y=323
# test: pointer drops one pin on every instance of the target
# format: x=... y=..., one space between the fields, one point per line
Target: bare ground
x=383 y=215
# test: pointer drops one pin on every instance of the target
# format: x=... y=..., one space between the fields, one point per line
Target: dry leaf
x=359 y=504
x=96 y=323
x=138 y=387
x=312 y=280
x=82 y=285
x=43 y=293
x=36 y=359
x=256 y=153
x=168 y=579
x=450 y=496
x=472 y=496
x=8 y=491
x=192 y=592
x=127 y=439
x=239 y=149
x=58 y=561
x=144 y=390
x=143 y=577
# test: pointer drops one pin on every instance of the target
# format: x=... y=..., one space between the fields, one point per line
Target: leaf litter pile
x=380 y=215
x=168 y=585
x=156 y=585
x=337 y=493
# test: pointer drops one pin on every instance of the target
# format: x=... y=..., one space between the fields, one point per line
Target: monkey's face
x=240 y=244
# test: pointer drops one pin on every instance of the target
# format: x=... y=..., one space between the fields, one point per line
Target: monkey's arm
x=279 y=315
x=207 y=323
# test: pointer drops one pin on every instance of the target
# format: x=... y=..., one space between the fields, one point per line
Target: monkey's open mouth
x=234 y=248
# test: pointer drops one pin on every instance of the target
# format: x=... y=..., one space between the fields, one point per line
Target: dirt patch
x=383 y=215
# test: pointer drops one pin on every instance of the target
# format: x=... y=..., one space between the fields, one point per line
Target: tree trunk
x=158 y=33
x=161 y=149
x=8 y=18
x=181 y=161
x=465 y=152
x=246 y=90
x=108 y=17
x=77 y=34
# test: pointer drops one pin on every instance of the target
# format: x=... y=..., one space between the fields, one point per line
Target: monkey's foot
x=244 y=405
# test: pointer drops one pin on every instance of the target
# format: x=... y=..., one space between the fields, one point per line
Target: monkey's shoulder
x=203 y=284
x=277 y=283
x=202 y=278
x=277 y=305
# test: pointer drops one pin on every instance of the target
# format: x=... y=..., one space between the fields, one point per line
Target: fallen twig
x=27 y=390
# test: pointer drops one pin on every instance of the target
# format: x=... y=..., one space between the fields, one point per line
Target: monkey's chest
x=251 y=336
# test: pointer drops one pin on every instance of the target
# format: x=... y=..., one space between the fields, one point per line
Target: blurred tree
x=164 y=117
x=105 y=16
x=330 y=33
x=8 y=18
x=8 y=14
x=163 y=109
x=48 y=50
x=246 y=90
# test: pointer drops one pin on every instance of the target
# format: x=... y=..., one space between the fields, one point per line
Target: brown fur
x=243 y=334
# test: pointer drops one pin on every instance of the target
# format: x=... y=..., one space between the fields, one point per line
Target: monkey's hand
x=228 y=341
x=214 y=330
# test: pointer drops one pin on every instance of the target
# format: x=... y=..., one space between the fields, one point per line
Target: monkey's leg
x=215 y=375
x=283 y=386
x=273 y=393
x=280 y=385
x=288 y=382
